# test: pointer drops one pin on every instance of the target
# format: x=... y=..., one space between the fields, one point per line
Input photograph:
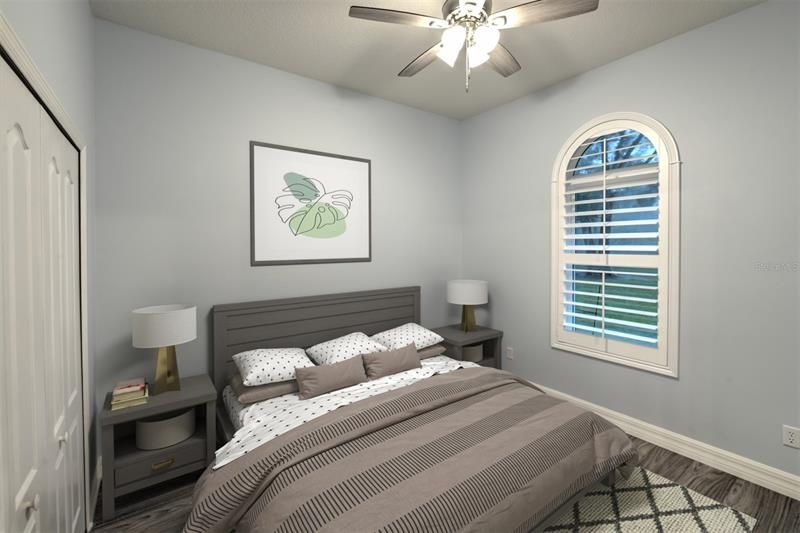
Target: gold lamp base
x=167 y=377
x=468 y=318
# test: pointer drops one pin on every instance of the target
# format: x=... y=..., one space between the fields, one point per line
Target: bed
x=455 y=447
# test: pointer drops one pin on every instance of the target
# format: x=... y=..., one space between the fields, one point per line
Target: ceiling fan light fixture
x=476 y=56
x=449 y=55
x=453 y=37
x=452 y=42
x=485 y=38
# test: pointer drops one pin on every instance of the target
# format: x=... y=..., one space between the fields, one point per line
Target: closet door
x=64 y=446
x=41 y=422
x=22 y=387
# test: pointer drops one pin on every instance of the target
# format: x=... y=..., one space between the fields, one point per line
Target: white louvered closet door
x=41 y=430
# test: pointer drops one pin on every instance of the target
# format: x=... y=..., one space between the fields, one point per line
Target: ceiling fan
x=471 y=24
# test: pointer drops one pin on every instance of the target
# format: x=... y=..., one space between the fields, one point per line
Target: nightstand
x=455 y=339
x=127 y=469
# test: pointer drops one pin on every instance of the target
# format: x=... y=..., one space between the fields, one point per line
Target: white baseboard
x=763 y=475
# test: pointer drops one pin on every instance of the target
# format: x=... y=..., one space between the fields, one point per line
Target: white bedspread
x=263 y=421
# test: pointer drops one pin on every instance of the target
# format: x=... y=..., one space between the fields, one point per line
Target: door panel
x=60 y=244
x=20 y=369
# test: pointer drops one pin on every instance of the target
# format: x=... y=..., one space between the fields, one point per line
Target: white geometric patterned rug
x=647 y=502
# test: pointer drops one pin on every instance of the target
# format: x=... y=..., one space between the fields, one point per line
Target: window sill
x=669 y=371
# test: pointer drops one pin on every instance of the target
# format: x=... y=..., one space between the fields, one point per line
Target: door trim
x=14 y=53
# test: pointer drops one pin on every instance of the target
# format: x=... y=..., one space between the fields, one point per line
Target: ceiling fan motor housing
x=452 y=5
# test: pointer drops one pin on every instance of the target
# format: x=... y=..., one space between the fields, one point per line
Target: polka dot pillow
x=343 y=348
x=270 y=365
x=405 y=335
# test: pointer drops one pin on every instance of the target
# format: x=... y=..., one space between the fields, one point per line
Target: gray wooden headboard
x=305 y=321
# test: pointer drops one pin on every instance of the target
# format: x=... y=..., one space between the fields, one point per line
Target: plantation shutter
x=611 y=258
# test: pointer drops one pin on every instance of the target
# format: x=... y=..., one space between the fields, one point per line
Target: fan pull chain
x=467 y=72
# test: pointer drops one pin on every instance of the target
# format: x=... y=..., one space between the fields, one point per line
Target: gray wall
x=173 y=126
x=729 y=94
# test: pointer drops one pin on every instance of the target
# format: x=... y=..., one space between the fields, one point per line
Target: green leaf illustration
x=308 y=207
x=304 y=189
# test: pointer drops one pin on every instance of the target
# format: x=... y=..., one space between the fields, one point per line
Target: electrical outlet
x=509 y=352
x=791 y=437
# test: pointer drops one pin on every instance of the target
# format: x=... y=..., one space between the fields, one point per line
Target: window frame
x=668 y=258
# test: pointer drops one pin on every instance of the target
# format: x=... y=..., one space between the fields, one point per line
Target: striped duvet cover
x=474 y=450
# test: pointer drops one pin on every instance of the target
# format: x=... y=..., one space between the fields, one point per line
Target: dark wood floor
x=166 y=510
x=772 y=511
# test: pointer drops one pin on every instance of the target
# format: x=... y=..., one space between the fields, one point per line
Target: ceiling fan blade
x=396 y=17
x=503 y=62
x=423 y=60
x=540 y=11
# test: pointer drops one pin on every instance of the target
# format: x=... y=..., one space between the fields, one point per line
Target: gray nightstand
x=127 y=469
x=456 y=338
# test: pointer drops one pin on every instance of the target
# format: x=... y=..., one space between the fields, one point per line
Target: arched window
x=615 y=243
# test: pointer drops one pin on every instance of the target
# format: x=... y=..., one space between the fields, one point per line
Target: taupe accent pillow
x=259 y=393
x=431 y=351
x=381 y=364
x=317 y=380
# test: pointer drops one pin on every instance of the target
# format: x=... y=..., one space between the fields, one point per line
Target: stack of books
x=129 y=393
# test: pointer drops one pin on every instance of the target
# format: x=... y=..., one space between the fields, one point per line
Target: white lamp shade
x=467 y=292
x=163 y=325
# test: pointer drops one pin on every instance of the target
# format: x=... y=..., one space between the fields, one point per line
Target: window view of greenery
x=608 y=213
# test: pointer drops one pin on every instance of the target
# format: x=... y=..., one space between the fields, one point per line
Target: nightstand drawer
x=160 y=462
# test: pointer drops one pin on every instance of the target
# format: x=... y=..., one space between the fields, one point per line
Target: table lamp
x=469 y=293
x=162 y=327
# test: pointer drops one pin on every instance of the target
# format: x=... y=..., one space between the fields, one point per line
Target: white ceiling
x=316 y=38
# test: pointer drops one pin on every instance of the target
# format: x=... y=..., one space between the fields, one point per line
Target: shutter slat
x=613 y=211
x=596 y=185
x=612 y=296
x=613 y=223
x=607 y=320
x=611 y=248
x=577 y=236
x=616 y=175
x=612 y=284
x=617 y=272
x=614 y=309
x=614 y=199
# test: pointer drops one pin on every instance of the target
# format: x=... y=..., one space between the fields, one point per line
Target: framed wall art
x=308 y=206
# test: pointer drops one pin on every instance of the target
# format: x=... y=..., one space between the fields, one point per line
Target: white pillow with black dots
x=343 y=348
x=270 y=365
x=406 y=334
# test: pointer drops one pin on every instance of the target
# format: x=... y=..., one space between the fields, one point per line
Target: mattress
x=233 y=407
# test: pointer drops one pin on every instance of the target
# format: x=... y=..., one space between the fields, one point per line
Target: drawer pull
x=162 y=464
